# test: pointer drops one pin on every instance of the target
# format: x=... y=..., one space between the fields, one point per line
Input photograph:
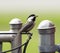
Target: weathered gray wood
x=15 y=26
x=15 y=43
x=9 y=36
x=46 y=31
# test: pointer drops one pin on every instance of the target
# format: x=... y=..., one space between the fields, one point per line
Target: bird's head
x=32 y=17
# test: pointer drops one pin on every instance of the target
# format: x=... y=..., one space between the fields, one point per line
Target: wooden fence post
x=46 y=30
x=15 y=25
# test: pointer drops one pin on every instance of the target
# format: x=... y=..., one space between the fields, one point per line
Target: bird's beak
x=36 y=16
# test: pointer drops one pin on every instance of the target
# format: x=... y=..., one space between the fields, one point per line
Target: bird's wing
x=30 y=28
x=26 y=26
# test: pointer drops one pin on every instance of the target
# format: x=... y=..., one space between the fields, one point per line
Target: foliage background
x=45 y=9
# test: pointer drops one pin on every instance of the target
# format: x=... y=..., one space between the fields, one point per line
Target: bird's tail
x=17 y=41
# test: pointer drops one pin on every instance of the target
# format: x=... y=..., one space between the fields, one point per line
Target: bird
x=25 y=28
x=29 y=24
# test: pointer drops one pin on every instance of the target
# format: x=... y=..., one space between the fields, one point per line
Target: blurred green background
x=33 y=46
x=45 y=9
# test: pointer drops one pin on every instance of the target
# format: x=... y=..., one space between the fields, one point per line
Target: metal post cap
x=46 y=24
x=15 y=21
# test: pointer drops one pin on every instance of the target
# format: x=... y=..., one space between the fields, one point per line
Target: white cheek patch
x=30 y=18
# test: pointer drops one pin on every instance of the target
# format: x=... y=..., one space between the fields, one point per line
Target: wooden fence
x=46 y=31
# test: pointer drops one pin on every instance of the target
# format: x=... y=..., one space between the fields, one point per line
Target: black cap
x=32 y=15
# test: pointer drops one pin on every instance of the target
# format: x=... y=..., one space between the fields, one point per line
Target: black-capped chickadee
x=25 y=28
x=29 y=24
